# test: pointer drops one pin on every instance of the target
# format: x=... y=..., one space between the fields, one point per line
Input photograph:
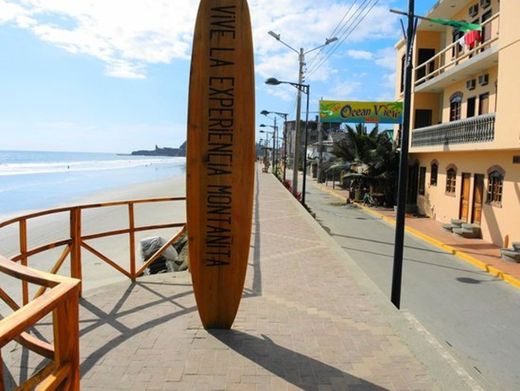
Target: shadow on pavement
x=115 y=318
x=293 y=367
x=389 y=243
x=468 y=280
x=364 y=251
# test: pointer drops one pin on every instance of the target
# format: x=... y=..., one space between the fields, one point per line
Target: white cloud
x=360 y=54
x=386 y=58
x=344 y=90
x=129 y=35
x=125 y=35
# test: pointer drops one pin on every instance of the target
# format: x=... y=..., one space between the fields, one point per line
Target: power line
x=346 y=34
x=338 y=27
x=361 y=13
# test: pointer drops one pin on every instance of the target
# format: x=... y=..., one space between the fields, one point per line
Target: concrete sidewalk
x=478 y=252
x=309 y=319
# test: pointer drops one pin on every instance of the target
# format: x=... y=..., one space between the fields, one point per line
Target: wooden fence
x=60 y=295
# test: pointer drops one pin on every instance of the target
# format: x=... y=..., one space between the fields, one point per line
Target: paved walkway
x=309 y=320
x=479 y=252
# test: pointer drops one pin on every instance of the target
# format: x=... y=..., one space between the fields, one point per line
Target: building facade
x=465 y=121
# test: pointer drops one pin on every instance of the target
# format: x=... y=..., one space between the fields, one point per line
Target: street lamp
x=273 y=161
x=305 y=88
x=301 y=60
x=284 y=116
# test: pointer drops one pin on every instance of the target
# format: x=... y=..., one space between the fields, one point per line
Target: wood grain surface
x=220 y=158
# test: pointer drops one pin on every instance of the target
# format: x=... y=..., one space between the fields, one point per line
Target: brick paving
x=308 y=320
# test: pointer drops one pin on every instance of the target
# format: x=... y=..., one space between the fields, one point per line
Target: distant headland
x=166 y=151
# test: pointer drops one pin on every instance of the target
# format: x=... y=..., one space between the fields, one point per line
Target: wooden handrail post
x=2 y=385
x=131 y=226
x=75 y=247
x=66 y=337
x=23 y=257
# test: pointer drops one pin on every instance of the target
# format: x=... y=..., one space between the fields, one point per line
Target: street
x=472 y=314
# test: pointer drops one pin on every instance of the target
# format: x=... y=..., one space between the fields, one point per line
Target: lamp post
x=301 y=60
x=305 y=88
x=273 y=162
x=284 y=116
x=397 y=273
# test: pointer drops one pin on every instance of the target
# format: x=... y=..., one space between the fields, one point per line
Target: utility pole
x=304 y=184
x=301 y=60
x=403 y=162
x=297 y=142
x=320 y=150
x=275 y=147
x=273 y=168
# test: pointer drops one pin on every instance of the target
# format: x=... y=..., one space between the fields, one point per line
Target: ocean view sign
x=361 y=112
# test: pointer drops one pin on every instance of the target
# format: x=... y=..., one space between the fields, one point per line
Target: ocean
x=41 y=180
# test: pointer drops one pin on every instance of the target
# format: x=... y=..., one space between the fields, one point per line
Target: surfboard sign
x=220 y=158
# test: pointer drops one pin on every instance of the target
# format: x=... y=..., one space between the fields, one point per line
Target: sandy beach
x=43 y=230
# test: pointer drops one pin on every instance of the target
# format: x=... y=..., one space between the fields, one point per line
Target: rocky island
x=166 y=151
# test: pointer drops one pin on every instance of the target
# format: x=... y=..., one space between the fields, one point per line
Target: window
x=486 y=28
x=495 y=185
x=451 y=180
x=457 y=35
x=422 y=180
x=422 y=118
x=434 y=173
x=455 y=106
x=471 y=107
x=483 y=104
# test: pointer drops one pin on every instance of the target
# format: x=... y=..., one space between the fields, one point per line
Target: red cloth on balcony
x=472 y=37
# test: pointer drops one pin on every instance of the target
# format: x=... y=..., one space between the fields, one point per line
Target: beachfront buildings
x=465 y=138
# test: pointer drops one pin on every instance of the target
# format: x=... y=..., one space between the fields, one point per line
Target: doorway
x=413 y=184
x=464 y=197
x=423 y=118
x=425 y=55
x=471 y=105
x=478 y=197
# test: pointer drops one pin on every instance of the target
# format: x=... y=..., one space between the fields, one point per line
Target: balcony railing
x=453 y=55
x=479 y=129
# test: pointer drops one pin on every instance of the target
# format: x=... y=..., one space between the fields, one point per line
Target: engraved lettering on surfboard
x=221 y=114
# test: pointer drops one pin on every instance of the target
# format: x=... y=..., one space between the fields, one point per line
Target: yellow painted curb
x=437 y=243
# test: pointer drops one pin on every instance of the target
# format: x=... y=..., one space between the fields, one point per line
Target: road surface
x=475 y=316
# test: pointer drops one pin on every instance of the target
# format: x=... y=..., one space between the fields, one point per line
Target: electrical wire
x=339 y=27
x=346 y=33
x=347 y=30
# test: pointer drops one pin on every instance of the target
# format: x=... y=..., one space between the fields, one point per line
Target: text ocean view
x=32 y=180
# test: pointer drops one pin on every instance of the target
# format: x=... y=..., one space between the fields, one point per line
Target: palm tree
x=356 y=146
x=371 y=154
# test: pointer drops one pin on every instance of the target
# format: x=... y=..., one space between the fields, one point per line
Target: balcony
x=453 y=63
x=479 y=129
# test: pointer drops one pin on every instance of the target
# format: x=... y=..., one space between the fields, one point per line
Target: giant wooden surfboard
x=220 y=158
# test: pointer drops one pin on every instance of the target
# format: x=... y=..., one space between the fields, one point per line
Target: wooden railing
x=61 y=299
x=452 y=56
x=59 y=294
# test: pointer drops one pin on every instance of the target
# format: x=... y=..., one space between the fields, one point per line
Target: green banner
x=361 y=112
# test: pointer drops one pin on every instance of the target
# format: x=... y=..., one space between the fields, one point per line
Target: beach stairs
x=455 y=223
x=511 y=254
x=470 y=231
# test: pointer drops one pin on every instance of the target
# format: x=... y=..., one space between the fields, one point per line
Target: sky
x=112 y=75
